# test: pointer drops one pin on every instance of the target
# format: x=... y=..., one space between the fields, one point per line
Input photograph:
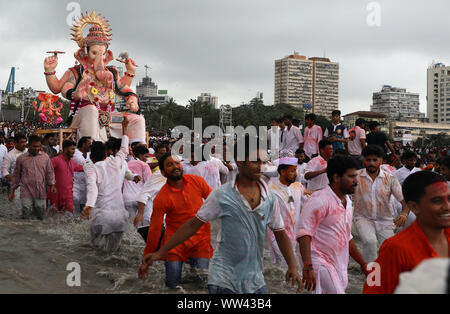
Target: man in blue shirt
x=245 y=207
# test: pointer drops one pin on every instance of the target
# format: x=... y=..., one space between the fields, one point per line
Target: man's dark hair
x=160 y=146
x=300 y=151
x=324 y=143
x=336 y=112
x=340 y=151
x=68 y=143
x=134 y=144
x=419 y=162
x=48 y=135
x=296 y=121
x=311 y=116
x=415 y=184
x=288 y=116
x=360 y=121
x=373 y=124
x=274 y=119
x=446 y=161
x=372 y=150
x=339 y=165
x=19 y=136
x=408 y=154
x=83 y=141
x=34 y=139
x=139 y=150
x=282 y=167
x=281 y=120
x=162 y=160
x=113 y=143
x=98 y=151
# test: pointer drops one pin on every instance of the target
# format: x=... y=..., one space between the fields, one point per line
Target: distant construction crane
x=11 y=81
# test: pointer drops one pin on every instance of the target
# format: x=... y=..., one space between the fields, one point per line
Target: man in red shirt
x=427 y=196
x=64 y=167
x=179 y=200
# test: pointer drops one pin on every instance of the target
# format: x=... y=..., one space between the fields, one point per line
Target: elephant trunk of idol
x=102 y=74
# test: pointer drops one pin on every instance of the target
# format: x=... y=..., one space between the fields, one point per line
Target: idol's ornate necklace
x=99 y=92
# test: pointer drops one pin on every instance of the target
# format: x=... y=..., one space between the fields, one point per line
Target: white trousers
x=372 y=234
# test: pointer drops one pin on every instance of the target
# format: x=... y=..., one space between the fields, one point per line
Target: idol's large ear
x=81 y=56
x=108 y=57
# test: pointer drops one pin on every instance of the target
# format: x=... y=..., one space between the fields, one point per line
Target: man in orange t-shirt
x=179 y=200
x=427 y=196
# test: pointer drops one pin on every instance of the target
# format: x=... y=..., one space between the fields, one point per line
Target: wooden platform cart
x=64 y=134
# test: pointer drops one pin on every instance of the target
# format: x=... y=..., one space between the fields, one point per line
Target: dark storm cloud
x=228 y=48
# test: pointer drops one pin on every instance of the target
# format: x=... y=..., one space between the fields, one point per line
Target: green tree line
x=172 y=114
x=255 y=113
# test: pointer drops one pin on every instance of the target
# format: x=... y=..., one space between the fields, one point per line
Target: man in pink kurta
x=324 y=230
x=64 y=168
x=312 y=136
x=33 y=173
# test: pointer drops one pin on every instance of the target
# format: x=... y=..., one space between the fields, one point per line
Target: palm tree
x=171 y=102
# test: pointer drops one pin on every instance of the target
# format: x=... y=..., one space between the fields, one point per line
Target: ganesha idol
x=48 y=112
x=91 y=86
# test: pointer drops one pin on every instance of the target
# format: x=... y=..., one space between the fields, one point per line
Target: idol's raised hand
x=50 y=63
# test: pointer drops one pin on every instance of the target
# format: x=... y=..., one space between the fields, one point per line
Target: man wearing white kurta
x=208 y=170
x=148 y=193
x=289 y=194
x=292 y=138
x=132 y=190
x=409 y=160
x=124 y=170
x=273 y=137
x=81 y=157
x=104 y=194
x=9 y=163
x=374 y=217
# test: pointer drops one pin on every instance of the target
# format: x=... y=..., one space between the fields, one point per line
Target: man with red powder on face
x=374 y=215
x=427 y=195
x=323 y=231
x=316 y=169
x=179 y=200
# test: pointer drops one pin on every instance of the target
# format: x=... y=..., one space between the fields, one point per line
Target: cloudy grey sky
x=228 y=47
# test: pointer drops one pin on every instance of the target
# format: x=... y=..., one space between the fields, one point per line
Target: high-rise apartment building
x=311 y=84
x=397 y=104
x=293 y=81
x=438 y=93
x=325 y=86
x=213 y=101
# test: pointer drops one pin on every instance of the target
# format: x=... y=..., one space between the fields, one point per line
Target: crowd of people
x=303 y=204
x=10 y=128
